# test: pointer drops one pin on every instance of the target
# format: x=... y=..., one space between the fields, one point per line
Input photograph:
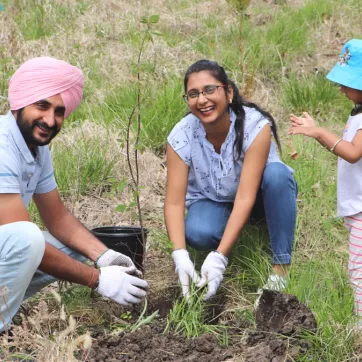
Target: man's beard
x=27 y=130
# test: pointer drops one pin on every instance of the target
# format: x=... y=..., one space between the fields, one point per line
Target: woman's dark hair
x=237 y=103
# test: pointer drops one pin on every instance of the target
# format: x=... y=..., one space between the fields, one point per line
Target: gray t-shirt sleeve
x=254 y=123
x=9 y=171
x=46 y=181
x=179 y=141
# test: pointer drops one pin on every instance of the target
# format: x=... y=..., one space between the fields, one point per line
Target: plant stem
x=135 y=175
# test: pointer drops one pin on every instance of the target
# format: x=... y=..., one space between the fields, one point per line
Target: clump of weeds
x=47 y=334
x=188 y=315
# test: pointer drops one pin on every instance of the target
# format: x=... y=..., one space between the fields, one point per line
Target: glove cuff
x=104 y=282
x=179 y=253
x=100 y=258
x=222 y=257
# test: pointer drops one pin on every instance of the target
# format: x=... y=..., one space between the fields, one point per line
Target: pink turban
x=44 y=77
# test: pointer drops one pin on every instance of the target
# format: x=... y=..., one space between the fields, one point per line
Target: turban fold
x=44 y=77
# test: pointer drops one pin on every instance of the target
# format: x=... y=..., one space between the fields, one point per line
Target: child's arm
x=349 y=151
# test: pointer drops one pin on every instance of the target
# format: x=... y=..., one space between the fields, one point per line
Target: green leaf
x=121 y=208
x=157 y=33
x=154 y=19
x=122 y=184
x=144 y=20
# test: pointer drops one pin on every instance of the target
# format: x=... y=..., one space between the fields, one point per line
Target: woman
x=220 y=162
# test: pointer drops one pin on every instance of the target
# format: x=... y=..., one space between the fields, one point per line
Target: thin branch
x=127 y=145
x=135 y=173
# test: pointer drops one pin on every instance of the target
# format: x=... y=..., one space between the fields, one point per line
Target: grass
x=83 y=163
x=313 y=92
x=158 y=111
x=284 y=48
x=188 y=317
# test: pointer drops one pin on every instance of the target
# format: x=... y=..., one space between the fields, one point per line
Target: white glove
x=212 y=271
x=123 y=288
x=185 y=269
x=111 y=257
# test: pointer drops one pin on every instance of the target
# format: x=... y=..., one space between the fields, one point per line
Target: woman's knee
x=277 y=177
x=199 y=237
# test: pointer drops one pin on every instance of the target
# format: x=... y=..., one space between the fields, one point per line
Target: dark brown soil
x=284 y=314
x=280 y=319
x=149 y=344
x=278 y=316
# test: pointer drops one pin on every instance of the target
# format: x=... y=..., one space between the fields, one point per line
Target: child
x=348 y=74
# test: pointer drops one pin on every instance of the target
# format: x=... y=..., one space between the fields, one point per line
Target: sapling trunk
x=134 y=171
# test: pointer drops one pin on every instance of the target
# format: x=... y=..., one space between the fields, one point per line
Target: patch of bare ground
x=280 y=320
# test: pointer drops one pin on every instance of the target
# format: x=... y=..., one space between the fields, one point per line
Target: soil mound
x=150 y=345
x=278 y=316
x=284 y=314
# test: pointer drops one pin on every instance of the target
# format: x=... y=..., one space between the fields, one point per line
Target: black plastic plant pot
x=124 y=239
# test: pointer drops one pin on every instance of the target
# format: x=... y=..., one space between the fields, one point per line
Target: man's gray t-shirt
x=20 y=172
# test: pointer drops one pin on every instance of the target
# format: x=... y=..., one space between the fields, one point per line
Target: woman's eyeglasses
x=207 y=91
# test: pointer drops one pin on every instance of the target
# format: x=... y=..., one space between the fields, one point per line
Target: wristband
x=91 y=280
x=334 y=146
x=97 y=282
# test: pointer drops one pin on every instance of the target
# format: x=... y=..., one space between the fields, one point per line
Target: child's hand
x=302 y=125
x=306 y=121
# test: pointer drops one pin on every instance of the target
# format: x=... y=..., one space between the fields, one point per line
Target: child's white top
x=349 y=184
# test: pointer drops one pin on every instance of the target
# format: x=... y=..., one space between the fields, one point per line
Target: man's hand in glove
x=118 y=285
x=111 y=257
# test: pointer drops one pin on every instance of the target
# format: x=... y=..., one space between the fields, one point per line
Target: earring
x=230 y=100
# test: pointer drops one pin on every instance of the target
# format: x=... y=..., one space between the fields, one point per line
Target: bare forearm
x=325 y=137
x=175 y=224
x=344 y=149
x=72 y=233
x=64 y=267
x=236 y=223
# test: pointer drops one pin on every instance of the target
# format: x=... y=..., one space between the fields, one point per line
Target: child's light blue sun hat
x=348 y=70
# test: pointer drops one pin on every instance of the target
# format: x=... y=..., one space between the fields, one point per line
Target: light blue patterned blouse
x=215 y=176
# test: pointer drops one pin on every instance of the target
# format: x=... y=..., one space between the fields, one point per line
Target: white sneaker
x=274 y=282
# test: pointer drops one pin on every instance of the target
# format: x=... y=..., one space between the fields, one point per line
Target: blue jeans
x=22 y=246
x=276 y=202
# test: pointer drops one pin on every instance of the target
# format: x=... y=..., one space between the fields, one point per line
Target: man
x=42 y=93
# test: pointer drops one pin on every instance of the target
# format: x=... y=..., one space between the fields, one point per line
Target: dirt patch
x=284 y=314
x=149 y=344
x=278 y=317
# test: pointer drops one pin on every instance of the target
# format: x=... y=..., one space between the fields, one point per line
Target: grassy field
x=278 y=52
